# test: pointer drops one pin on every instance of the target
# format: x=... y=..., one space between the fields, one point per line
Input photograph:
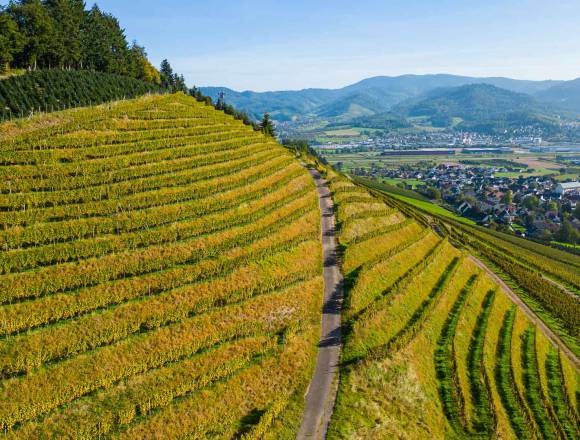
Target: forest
x=63 y=34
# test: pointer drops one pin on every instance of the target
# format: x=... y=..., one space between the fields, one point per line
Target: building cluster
x=527 y=204
x=393 y=141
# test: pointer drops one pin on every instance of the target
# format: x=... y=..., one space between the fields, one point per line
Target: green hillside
x=160 y=262
x=480 y=107
x=49 y=90
x=161 y=277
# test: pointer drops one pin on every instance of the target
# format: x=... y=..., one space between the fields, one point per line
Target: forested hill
x=62 y=34
x=470 y=102
x=55 y=54
x=479 y=106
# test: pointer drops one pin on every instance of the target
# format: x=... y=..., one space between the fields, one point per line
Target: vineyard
x=434 y=348
x=546 y=279
x=158 y=258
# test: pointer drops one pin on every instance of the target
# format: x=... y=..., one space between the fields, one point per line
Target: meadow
x=158 y=259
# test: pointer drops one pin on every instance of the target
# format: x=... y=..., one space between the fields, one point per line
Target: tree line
x=63 y=34
x=266 y=125
x=40 y=35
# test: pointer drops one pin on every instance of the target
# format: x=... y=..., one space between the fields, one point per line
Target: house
x=567 y=187
x=464 y=207
x=506 y=217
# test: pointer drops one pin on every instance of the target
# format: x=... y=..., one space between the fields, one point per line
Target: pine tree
x=267 y=127
x=105 y=45
x=167 y=76
x=179 y=83
x=221 y=103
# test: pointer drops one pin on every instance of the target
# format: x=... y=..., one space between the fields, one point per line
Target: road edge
x=322 y=390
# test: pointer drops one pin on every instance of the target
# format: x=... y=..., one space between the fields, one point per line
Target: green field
x=395 y=181
x=535 y=172
x=434 y=209
x=415 y=200
x=567 y=177
x=349 y=132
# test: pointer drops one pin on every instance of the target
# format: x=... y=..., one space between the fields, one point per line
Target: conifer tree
x=267 y=126
x=167 y=76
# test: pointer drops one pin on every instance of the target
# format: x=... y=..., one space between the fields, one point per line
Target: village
x=501 y=197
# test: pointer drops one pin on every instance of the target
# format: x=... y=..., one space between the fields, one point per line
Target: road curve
x=531 y=315
x=321 y=393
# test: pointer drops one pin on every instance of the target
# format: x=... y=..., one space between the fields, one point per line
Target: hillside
x=49 y=90
x=434 y=346
x=565 y=95
x=479 y=106
x=160 y=275
x=470 y=102
x=369 y=96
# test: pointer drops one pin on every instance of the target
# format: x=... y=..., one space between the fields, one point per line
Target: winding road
x=321 y=393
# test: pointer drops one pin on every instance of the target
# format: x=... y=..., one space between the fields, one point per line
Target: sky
x=295 y=44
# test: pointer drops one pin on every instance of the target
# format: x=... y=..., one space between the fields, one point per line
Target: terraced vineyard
x=434 y=348
x=159 y=260
x=548 y=280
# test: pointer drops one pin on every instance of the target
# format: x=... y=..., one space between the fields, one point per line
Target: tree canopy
x=63 y=34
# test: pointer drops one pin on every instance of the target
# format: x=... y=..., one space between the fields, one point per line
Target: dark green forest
x=63 y=34
x=49 y=90
x=71 y=56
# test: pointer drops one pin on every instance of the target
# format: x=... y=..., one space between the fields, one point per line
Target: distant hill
x=469 y=102
x=358 y=104
x=565 y=95
x=282 y=105
x=482 y=107
x=383 y=121
x=370 y=96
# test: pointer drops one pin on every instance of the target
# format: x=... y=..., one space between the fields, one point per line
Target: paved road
x=530 y=314
x=321 y=393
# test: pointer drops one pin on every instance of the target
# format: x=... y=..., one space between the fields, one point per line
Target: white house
x=566 y=187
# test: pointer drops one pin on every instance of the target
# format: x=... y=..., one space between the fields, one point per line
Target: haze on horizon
x=249 y=45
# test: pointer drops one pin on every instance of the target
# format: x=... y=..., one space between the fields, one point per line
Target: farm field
x=434 y=348
x=395 y=181
x=539 y=163
x=159 y=259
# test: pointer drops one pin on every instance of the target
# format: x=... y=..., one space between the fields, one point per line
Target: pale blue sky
x=292 y=44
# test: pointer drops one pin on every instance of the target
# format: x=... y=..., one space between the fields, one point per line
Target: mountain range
x=438 y=96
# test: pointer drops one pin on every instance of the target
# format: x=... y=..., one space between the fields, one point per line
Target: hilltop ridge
x=385 y=90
